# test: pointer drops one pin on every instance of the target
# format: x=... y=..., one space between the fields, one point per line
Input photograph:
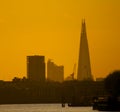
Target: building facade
x=84 y=67
x=54 y=72
x=36 y=68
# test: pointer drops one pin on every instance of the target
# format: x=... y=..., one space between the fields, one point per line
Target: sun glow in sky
x=52 y=28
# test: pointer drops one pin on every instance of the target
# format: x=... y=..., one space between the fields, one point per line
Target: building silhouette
x=55 y=72
x=36 y=68
x=84 y=68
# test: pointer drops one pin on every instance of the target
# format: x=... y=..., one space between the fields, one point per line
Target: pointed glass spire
x=84 y=68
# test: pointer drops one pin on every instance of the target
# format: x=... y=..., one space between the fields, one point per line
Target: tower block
x=84 y=68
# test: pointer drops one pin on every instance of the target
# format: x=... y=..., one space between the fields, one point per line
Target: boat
x=106 y=104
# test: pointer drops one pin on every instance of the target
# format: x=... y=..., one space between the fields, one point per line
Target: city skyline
x=52 y=28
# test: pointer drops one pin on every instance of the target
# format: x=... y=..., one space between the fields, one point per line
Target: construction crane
x=73 y=74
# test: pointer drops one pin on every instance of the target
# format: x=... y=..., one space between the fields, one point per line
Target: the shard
x=84 y=68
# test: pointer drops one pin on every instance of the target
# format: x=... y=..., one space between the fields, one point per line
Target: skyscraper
x=36 y=68
x=84 y=68
x=55 y=72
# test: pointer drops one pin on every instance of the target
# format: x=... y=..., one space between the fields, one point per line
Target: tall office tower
x=84 y=68
x=36 y=68
x=54 y=72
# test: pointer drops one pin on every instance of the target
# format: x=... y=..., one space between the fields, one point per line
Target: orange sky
x=52 y=28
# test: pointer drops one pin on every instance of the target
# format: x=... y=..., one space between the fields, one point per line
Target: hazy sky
x=52 y=28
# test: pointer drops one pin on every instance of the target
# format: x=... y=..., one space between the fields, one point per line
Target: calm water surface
x=42 y=108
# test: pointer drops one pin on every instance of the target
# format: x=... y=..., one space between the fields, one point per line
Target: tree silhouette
x=112 y=83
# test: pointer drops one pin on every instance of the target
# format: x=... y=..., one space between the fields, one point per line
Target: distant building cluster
x=36 y=69
x=36 y=64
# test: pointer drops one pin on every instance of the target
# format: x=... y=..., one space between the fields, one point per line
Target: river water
x=42 y=108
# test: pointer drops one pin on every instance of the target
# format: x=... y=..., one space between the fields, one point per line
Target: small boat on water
x=63 y=104
x=106 y=104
